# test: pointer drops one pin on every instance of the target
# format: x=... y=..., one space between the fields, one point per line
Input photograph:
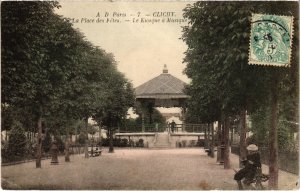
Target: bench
x=96 y=152
x=208 y=151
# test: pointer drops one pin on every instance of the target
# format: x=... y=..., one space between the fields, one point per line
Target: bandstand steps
x=162 y=141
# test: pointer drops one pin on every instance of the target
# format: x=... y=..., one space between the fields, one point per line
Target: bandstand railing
x=155 y=127
x=138 y=128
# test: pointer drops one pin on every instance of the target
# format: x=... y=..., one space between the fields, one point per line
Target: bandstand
x=166 y=91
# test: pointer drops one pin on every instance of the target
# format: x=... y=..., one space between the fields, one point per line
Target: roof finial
x=165 y=70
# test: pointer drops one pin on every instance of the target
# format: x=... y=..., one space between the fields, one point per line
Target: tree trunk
x=212 y=146
x=226 y=143
x=86 y=151
x=111 y=144
x=273 y=137
x=219 y=133
x=231 y=135
x=100 y=137
x=39 y=142
x=243 y=130
x=71 y=136
x=208 y=136
x=205 y=137
x=67 y=144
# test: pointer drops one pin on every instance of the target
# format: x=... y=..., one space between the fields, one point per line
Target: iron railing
x=192 y=128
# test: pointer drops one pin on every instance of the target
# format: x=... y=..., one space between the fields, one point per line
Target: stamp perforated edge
x=255 y=62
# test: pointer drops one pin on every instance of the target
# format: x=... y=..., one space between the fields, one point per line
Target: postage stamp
x=271 y=40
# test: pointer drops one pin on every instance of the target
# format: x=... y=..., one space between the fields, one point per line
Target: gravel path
x=131 y=169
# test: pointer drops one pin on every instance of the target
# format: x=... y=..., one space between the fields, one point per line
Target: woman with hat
x=251 y=164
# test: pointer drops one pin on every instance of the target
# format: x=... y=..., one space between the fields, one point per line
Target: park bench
x=94 y=152
x=208 y=151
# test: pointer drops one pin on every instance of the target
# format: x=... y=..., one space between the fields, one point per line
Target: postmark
x=271 y=40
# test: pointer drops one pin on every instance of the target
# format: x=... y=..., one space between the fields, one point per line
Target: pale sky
x=141 y=49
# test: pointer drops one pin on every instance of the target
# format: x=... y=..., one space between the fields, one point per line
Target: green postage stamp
x=271 y=40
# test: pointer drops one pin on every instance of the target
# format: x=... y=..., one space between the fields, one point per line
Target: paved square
x=128 y=169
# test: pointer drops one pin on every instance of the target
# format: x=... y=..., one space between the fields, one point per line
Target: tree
x=90 y=88
x=41 y=53
x=221 y=76
x=120 y=99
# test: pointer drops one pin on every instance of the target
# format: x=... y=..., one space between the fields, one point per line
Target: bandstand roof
x=165 y=86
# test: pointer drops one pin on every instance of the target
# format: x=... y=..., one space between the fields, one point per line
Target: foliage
x=156 y=117
x=38 y=50
x=140 y=143
x=223 y=83
x=92 y=129
x=10 y=114
x=117 y=142
x=81 y=138
x=260 y=129
x=50 y=72
x=284 y=138
x=147 y=109
x=35 y=53
x=17 y=142
x=7 y=117
x=222 y=80
x=120 y=97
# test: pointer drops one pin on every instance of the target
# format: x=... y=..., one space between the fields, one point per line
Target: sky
x=134 y=32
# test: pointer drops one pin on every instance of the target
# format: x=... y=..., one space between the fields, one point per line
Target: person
x=96 y=152
x=251 y=164
x=173 y=126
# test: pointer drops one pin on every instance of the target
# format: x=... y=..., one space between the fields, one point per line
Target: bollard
x=222 y=148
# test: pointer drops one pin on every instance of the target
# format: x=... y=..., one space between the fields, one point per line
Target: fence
x=158 y=127
x=197 y=128
x=287 y=160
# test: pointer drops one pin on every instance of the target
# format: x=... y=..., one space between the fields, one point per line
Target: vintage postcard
x=149 y=95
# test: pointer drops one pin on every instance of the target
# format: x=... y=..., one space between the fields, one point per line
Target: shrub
x=17 y=142
x=124 y=143
x=140 y=143
x=105 y=142
x=117 y=142
x=81 y=138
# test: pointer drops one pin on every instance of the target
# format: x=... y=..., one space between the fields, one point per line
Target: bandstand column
x=183 y=111
x=143 y=122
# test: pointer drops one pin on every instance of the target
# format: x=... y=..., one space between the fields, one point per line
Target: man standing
x=173 y=125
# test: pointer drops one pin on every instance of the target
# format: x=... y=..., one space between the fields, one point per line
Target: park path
x=132 y=169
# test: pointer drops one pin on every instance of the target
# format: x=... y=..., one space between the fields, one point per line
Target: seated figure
x=251 y=164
